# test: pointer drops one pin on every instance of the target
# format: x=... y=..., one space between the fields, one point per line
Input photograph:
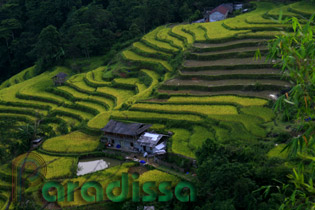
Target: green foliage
x=297 y=60
x=297 y=51
x=48 y=49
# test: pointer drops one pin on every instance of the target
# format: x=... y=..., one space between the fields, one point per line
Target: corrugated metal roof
x=131 y=129
x=149 y=139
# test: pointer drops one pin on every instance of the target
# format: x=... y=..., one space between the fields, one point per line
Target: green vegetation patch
x=200 y=134
x=251 y=123
x=243 y=101
x=153 y=116
x=150 y=39
x=135 y=57
x=179 y=31
x=276 y=152
x=73 y=142
x=99 y=121
x=203 y=109
x=58 y=166
x=180 y=142
x=163 y=34
x=263 y=112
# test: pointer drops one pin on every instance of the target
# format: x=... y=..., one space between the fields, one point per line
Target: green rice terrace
x=217 y=91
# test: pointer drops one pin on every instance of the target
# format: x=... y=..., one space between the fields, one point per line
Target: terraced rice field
x=202 y=109
x=5 y=185
x=74 y=142
x=219 y=92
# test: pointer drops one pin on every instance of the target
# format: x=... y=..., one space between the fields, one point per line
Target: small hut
x=60 y=78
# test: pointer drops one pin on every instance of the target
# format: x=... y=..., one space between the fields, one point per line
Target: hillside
x=217 y=91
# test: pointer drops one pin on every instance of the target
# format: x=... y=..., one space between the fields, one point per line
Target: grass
x=153 y=116
x=263 y=112
x=33 y=86
x=22 y=110
x=237 y=132
x=37 y=86
x=275 y=12
x=20 y=77
x=259 y=19
x=239 y=22
x=199 y=34
x=127 y=81
x=158 y=176
x=215 y=30
x=120 y=95
x=84 y=115
x=69 y=120
x=259 y=34
x=163 y=46
x=178 y=30
x=109 y=175
x=99 y=121
x=221 y=134
x=95 y=77
x=84 y=96
x=73 y=92
x=251 y=123
x=303 y=7
x=157 y=127
x=104 y=177
x=202 y=109
x=276 y=152
x=200 y=134
x=103 y=99
x=147 y=92
x=163 y=34
x=243 y=101
x=74 y=142
x=135 y=57
x=95 y=106
x=57 y=166
x=180 y=142
x=77 y=81
x=148 y=49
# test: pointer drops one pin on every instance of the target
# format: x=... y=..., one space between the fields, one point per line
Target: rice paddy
x=87 y=101
x=74 y=142
x=202 y=109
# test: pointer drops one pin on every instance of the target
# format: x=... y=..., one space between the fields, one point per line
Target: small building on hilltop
x=219 y=13
x=133 y=137
x=60 y=78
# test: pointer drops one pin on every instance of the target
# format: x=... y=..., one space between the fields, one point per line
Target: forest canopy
x=51 y=31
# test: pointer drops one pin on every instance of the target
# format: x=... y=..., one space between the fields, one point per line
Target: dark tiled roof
x=61 y=75
x=131 y=129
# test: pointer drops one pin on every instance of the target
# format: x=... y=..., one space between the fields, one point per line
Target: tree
x=81 y=39
x=297 y=54
x=185 y=12
x=48 y=49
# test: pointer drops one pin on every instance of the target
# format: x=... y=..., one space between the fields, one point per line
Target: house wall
x=124 y=142
x=217 y=16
